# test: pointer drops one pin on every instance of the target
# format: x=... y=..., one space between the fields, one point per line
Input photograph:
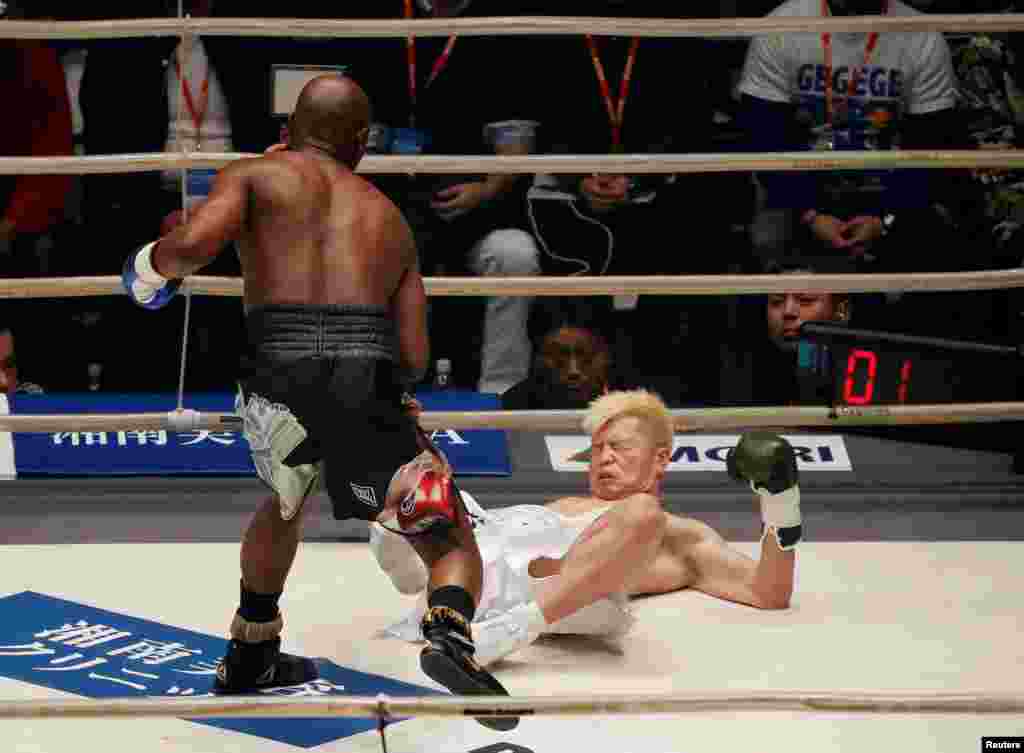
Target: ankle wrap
x=256 y=632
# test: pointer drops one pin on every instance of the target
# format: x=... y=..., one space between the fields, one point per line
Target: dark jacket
x=128 y=116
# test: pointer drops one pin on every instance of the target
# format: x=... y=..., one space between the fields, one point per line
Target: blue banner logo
x=91 y=652
x=475 y=452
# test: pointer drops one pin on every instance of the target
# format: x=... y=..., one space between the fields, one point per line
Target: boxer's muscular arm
x=409 y=307
x=218 y=221
x=671 y=569
x=728 y=574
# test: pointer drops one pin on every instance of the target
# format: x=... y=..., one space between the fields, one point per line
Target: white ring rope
x=685 y=420
x=549 y=164
x=505 y=26
x=388 y=708
x=717 y=285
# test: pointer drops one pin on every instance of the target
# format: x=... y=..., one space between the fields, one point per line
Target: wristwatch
x=888 y=221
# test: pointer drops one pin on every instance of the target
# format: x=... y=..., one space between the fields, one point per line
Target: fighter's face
x=624 y=459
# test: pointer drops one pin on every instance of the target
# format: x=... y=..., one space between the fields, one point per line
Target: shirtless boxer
x=336 y=330
x=570 y=566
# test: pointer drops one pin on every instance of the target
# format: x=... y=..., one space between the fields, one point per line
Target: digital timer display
x=859 y=367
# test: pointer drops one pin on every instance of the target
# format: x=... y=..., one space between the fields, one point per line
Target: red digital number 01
x=856 y=356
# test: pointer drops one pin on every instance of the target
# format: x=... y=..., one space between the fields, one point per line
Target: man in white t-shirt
x=888 y=91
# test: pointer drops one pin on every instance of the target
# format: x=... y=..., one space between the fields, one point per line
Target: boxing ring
x=904 y=629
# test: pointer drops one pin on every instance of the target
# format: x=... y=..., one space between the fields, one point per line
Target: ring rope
x=183 y=183
x=549 y=164
x=684 y=420
x=717 y=285
x=505 y=26
x=475 y=706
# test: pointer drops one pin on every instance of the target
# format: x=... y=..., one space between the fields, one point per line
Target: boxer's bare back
x=318 y=234
x=309 y=230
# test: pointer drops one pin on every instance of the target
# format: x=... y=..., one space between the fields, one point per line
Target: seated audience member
x=608 y=95
x=9 y=384
x=461 y=100
x=571 y=369
x=38 y=124
x=759 y=366
x=464 y=224
x=854 y=91
x=185 y=95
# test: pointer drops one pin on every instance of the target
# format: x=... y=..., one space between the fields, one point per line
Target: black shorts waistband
x=301 y=331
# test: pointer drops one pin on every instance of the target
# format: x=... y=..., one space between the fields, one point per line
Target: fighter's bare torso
x=670 y=569
x=318 y=234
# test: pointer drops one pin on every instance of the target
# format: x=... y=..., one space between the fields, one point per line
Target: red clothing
x=37 y=124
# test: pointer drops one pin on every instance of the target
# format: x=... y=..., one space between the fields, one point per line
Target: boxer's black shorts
x=334 y=368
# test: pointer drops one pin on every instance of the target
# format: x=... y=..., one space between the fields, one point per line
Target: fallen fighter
x=569 y=567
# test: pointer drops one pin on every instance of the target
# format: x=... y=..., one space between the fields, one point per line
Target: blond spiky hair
x=639 y=403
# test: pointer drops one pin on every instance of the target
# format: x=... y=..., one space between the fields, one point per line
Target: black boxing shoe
x=448 y=660
x=249 y=667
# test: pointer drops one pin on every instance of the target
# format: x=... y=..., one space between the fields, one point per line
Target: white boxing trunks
x=509 y=539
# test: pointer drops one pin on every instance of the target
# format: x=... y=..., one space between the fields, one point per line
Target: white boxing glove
x=781 y=515
x=780 y=510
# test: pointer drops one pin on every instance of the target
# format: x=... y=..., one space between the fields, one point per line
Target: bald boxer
x=336 y=332
x=570 y=566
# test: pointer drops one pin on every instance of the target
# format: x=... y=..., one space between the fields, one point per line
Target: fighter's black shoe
x=249 y=667
x=448 y=659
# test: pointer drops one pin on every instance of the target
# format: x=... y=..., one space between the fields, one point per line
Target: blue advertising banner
x=157 y=453
x=95 y=653
x=475 y=452
x=472 y=452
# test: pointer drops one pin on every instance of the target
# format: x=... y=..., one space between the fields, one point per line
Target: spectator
x=852 y=91
x=631 y=224
x=123 y=211
x=465 y=101
x=184 y=96
x=39 y=126
x=571 y=369
x=989 y=205
x=759 y=366
x=465 y=224
x=9 y=384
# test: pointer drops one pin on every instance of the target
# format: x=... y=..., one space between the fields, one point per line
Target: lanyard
x=826 y=43
x=615 y=111
x=435 y=71
x=198 y=114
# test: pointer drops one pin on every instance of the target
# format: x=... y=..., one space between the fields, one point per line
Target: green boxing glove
x=767 y=462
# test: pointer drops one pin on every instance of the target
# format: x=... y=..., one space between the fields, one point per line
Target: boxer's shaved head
x=332 y=114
